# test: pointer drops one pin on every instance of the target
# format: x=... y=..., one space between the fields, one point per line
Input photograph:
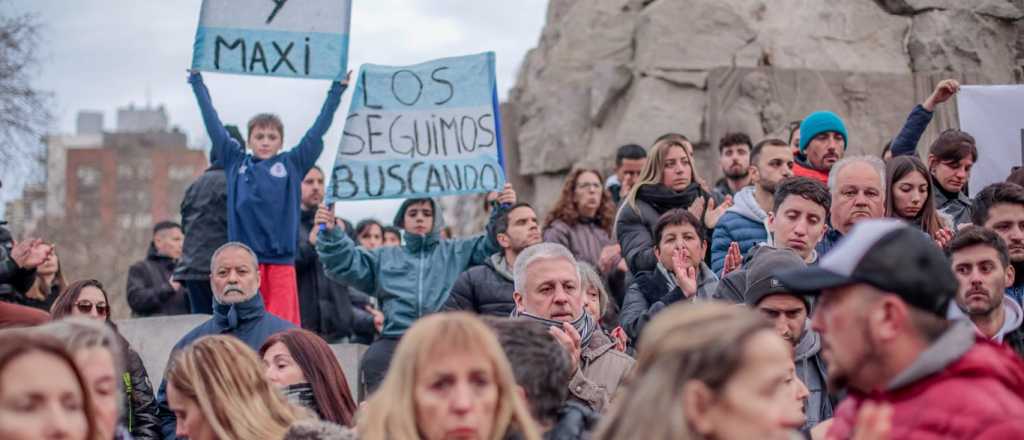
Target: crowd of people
x=807 y=294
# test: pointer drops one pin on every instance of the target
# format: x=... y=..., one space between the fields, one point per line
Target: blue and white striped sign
x=296 y=39
x=426 y=130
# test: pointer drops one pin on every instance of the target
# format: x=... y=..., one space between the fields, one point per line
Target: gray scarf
x=584 y=324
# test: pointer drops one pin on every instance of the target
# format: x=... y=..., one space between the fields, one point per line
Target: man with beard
x=487 y=289
x=735 y=158
x=238 y=311
x=548 y=290
x=857 y=184
x=823 y=141
x=744 y=222
x=789 y=312
x=1000 y=208
x=982 y=265
x=883 y=295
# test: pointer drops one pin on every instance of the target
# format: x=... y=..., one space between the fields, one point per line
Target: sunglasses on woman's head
x=86 y=307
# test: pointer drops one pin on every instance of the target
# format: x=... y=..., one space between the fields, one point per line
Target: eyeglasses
x=85 y=307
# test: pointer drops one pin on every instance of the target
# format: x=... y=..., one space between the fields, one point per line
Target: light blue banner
x=306 y=39
x=426 y=130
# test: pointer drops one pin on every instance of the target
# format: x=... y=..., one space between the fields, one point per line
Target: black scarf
x=663 y=198
x=584 y=325
x=301 y=394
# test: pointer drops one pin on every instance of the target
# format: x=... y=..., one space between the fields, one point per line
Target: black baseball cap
x=889 y=255
x=761 y=274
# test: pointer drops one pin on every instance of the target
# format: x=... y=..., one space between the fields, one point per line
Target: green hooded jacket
x=411 y=280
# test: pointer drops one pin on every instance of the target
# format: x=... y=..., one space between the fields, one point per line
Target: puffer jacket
x=960 y=387
x=204 y=220
x=411 y=280
x=12 y=278
x=485 y=289
x=634 y=229
x=650 y=293
x=141 y=418
x=149 y=288
x=584 y=240
x=743 y=223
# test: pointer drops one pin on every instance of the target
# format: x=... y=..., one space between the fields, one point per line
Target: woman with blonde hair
x=668 y=181
x=707 y=371
x=449 y=379
x=217 y=390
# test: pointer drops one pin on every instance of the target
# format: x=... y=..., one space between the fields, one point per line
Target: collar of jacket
x=231 y=316
x=598 y=345
x=154 y=255
x=415 y=244
x=951 y=346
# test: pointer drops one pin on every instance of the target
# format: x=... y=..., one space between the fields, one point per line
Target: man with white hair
x=548 y=290
x=238 y=311
x=857 y=184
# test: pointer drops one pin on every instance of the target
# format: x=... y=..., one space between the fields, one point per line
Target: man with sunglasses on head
x=151 y=289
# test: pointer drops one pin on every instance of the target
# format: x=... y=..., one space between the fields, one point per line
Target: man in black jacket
x=204 y=219
x=151 y=289
x=487 y=289
x=325 y=305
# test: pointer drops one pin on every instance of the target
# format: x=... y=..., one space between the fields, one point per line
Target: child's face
x=265 y=141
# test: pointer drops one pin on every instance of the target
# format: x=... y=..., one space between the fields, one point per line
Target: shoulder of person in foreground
x=313 y=429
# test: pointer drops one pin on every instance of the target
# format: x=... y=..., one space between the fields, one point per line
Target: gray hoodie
x=746 y=205
x=810 y=368
x=1012 y=319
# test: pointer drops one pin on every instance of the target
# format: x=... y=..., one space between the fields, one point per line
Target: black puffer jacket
x=325 y=306
x=204 y=220
x=485 y=289
x=149 y=287
x=140 y=415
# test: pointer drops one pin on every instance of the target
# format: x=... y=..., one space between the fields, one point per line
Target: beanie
x=820 y=122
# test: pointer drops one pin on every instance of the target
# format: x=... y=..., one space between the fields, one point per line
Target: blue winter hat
x=820 y=122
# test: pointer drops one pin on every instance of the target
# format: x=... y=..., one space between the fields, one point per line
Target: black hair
x=975 y=235
x=735 y=139
x=994 y=194
x=392 y=230
x=167 y=224
x=631 y=152
x=365 y=224
x=501 y=223
x=805 y=187
x=954 y=145
x=770 y=142
x=676 y=217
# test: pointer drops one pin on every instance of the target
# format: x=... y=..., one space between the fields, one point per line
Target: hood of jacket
x=500 y=265
x=1012 y=318
x=231 y=316
x=809 y=345
x=419 y=243
x=746 y=205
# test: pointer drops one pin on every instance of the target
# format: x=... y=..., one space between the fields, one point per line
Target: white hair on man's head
x=539 y=251
x=877 y=164
x=234 y=245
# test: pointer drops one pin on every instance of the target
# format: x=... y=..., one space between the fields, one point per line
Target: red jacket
x=976 y=392
x=805 y=171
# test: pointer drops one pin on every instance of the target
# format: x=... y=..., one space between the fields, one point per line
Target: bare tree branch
x=25 y=114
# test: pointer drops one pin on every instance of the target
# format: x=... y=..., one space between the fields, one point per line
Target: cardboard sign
x=296 y=39
x=993 y=115
x=421 y=131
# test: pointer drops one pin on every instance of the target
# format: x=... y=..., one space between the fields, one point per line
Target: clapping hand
x=733 y=259
x=685 y=273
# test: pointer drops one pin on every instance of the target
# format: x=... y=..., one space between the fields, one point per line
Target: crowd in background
x=806 y=294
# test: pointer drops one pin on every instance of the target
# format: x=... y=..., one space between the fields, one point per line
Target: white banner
x=994 y=115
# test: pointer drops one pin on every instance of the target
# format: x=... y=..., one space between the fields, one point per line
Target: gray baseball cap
x=761 y=274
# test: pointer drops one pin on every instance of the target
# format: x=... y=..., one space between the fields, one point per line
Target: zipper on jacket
x=419 y=290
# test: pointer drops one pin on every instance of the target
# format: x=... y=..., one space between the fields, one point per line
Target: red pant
x=280 y=291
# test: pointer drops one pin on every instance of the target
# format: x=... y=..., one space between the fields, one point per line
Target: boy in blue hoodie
x=264 y=188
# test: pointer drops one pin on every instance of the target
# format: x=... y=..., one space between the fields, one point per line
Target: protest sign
x=421 y=131
x=298 y=39
x=992 y=114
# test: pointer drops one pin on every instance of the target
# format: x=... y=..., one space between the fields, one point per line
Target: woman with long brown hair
x=35 y=367
x=48 y=284
x=449 y=379
x=88 y=299
x=909 y=197
x=305 y=368
x=582 y=220
x=668 y=181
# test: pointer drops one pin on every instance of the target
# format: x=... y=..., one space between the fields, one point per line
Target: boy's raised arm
x=224 y=146
x=312 y=144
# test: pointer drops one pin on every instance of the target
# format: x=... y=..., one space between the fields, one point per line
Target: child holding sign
x=264 y=189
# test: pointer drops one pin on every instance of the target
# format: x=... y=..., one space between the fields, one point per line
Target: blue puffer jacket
x=248 y=321
x=743 y=223
x=411 y=280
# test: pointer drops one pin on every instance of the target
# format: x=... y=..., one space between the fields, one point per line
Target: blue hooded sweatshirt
x=411 y=280
x=263 y=195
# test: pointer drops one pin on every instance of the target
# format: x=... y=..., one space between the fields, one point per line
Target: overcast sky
x=100 y=55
